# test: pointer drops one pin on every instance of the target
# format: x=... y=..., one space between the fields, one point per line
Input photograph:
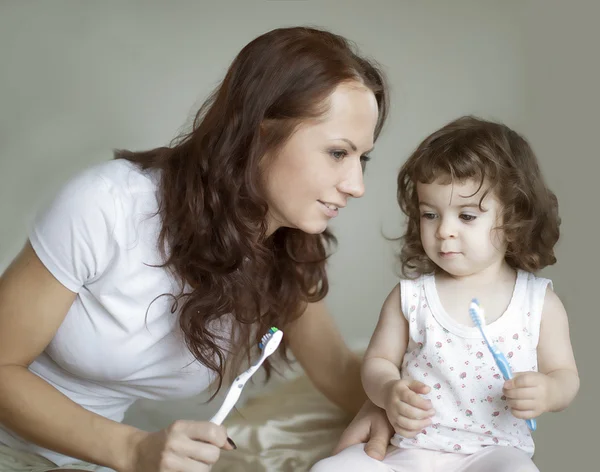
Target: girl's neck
x=491 y=275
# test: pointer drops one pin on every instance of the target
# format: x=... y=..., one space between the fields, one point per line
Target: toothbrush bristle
x=267 y=336
x=475 y=312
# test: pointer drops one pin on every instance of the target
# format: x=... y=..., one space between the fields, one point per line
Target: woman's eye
x=338 y=154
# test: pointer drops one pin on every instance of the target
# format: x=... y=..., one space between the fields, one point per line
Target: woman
x=151 y=273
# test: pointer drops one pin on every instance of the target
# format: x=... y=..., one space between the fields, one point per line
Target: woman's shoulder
x=118 y=186
x=119 y=176
x=105 y=198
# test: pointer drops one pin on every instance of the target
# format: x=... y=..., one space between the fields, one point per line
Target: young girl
x=481 y=222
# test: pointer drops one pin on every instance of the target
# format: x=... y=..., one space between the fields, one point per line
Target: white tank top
x=466 y=385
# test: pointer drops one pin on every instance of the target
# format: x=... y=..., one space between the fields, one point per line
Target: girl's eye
x=468 y=217
x=429 y=216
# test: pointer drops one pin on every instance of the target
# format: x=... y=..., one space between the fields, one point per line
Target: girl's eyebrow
x=464 y=205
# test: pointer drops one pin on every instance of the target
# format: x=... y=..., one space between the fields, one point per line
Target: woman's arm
x=335 y=371
x=332 y=367
x=33 y=305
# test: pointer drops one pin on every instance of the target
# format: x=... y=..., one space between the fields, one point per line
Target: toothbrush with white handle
x=478 y=317
x=269 y=342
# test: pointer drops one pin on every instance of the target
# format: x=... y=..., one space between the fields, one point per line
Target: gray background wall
x=80 y=78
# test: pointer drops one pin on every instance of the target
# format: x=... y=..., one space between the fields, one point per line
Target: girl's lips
x=449 y=254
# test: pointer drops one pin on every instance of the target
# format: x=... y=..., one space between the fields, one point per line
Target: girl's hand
x=408 y=412
x=528 y=394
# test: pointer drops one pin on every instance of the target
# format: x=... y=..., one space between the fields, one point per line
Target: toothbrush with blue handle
x=478 y=318
x=268 y=344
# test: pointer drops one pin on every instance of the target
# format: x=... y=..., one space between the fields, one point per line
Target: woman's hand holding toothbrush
x=185 y=446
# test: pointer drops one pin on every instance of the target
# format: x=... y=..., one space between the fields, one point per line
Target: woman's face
x=312 y=177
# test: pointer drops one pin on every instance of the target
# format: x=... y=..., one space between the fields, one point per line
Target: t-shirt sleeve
x=74 y=236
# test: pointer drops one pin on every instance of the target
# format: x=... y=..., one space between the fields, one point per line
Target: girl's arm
x=381 y=365
x=555 y=354
x=554 y=386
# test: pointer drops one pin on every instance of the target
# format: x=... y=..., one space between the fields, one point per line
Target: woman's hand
x=369 y=426
x=185 y=446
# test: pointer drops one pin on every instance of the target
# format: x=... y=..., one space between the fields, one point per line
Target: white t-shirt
x=118 y=342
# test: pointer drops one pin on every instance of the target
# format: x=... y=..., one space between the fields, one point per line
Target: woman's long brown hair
x=211 y=203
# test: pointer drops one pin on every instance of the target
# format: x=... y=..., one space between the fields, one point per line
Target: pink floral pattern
x=466 y=386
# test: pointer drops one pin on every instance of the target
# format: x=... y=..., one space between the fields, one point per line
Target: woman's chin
x=313 y=227
x=307 y=225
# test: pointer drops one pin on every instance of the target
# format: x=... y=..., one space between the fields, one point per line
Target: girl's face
x=457 y=235
x=321 y=165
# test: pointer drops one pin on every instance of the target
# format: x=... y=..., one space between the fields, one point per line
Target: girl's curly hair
x=501 y=159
